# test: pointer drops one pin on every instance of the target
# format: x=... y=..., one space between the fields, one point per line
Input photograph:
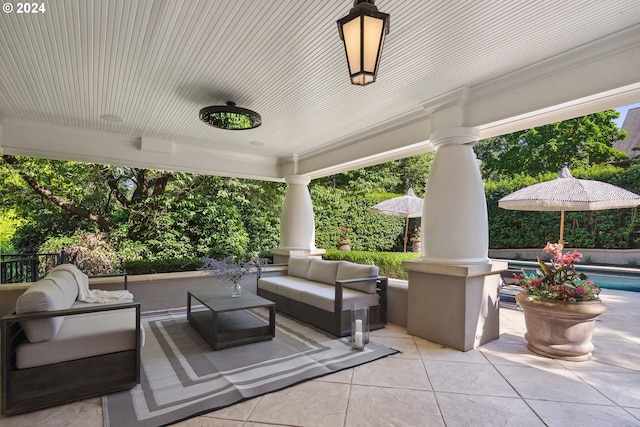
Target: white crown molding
x=596 y=51
x=29 y=138
x=406 y=135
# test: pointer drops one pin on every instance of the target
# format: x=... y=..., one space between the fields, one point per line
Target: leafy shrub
x=9 y=221
x=335 y=208
x=90 y=252
x=162 y=265
x=390 y=263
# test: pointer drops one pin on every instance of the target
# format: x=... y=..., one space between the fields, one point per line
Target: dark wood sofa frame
x=337 y=323
x=28 y=389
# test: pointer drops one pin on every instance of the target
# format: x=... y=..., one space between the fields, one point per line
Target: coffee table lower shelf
x=234 y=328
x=225 y=323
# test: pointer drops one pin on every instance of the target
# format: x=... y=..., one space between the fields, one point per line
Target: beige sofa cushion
x=319 y=289
x=268 y=284
x=323 y=297
x=349 y=270
x=320 y=295
x=83 y=335
x=323 y=271
x=43 y=295
x=287 y=286
x=299 y=266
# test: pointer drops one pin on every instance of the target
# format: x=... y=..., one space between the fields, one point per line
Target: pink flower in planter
x=553 y=248
x=559 y=279
x=536 y=283
x=568 y=259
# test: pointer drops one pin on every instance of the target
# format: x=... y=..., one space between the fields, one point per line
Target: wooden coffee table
x=226 y=322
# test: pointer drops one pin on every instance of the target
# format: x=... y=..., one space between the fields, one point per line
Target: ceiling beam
x=28 y=138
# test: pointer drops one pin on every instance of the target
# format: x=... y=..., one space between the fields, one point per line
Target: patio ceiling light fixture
x=363 y=31
x=230 y=117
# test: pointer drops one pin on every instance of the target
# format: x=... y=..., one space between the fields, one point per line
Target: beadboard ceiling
x=156 y=63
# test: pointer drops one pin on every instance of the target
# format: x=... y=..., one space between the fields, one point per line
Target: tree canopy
x=578 y=142
x=152 y=214
x=149 y=213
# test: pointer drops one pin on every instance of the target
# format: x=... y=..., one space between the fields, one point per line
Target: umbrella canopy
x=407 y=206
x=567 y=193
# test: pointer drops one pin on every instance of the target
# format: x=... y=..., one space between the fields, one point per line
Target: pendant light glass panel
x=363 y=32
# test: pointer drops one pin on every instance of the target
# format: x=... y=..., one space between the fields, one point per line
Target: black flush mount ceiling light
x=363 y=31
x=230 y=117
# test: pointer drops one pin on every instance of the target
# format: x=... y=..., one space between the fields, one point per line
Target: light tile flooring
x=499 y=384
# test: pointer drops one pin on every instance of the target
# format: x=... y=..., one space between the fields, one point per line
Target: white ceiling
x=501 y=65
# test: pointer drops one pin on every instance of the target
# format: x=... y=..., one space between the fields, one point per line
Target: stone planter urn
x=344 y=246
x=416 y=246
x=560 y=329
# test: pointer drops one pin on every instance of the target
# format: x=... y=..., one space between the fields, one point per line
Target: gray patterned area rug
x=182 y=376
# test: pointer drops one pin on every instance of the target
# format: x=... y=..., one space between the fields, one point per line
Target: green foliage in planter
x=390 y=263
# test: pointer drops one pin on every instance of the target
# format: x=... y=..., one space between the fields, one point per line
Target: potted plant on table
x=560 y=307
x=233 y=270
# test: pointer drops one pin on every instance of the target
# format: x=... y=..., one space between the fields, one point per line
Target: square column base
x=281 y=256
x=454 y=305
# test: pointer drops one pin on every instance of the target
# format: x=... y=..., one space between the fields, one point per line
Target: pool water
x=606 y=279
x=623 y=283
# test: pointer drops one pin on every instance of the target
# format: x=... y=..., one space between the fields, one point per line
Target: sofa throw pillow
x=43 y=295
x=349 y=270
x=323 y=271
x=299 y=266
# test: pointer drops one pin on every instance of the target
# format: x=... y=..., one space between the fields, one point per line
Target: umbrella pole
x=561 y=241
x=406 y=230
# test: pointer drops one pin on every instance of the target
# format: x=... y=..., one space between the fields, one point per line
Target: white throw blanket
x=93 y=295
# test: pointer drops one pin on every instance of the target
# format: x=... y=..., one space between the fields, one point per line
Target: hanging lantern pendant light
x=363 y=31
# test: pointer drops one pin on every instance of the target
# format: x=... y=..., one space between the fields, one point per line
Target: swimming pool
x=623 y=279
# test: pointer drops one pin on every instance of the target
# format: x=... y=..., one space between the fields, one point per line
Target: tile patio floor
x=499 y=384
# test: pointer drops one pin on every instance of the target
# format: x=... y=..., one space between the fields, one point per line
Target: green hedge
x=162 y=265
x=390 y=263
x=607 y=229
x=335 y=208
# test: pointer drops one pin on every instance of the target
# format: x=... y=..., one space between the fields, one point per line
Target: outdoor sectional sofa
x=322 y=292
x=57 y=350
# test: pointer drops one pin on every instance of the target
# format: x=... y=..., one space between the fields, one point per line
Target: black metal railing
x=20 y=268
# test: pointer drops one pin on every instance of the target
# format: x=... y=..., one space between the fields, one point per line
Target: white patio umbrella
x=407 y=206
x=566 y=193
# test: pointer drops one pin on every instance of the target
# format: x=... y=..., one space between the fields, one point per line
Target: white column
x=297 y=222
x=454 y=217
x=453 y=287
